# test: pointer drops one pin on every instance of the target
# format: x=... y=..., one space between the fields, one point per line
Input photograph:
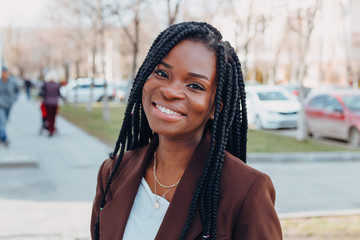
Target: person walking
x=51 y=94
x=28 y=85
x=9 y=92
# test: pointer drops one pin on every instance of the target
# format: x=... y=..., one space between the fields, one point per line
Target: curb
x=13 y=159
x=319 y=214
x=304 y=157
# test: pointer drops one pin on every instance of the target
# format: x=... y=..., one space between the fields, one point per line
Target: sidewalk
x=47 y=184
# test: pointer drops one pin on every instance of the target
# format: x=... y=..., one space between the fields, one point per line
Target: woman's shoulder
x=108 y=165
x=234 y=166
x=241 y=176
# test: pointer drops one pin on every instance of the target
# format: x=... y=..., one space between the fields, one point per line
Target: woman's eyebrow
x=190 y=73
x=198 y=75
x=166 y=65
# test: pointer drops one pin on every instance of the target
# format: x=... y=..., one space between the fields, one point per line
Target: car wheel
x=354 y=137
x=258 y=124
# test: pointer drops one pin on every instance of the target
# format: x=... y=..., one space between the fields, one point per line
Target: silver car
x=271 y=107
x=80 y=89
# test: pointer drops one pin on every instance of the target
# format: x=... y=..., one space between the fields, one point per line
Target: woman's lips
x=167 y=113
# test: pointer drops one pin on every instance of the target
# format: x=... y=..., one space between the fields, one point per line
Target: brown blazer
x=246 y=205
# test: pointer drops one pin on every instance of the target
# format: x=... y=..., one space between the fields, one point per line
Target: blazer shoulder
x=235 y=169
x=238 y=179
x=109 y=164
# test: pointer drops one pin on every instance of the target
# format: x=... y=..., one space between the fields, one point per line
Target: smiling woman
x=175 y=172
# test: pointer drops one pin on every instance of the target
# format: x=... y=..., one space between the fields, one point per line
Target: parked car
x=271 y=107
x=82 y=87
x=335 y=114
x=122 y=91
x=295 y=89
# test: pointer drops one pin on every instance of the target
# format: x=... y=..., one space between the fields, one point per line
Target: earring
x=212 y=117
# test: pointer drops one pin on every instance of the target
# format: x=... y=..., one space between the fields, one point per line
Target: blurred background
x=97 y=46
x=279 y=42
x=301 y=65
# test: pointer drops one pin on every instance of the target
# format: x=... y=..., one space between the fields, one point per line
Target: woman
x=185 y=130
x=50 y=93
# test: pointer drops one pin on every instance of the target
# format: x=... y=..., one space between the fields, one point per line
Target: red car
x=335 y=114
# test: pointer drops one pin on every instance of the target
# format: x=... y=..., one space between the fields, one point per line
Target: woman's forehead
x=192 y=56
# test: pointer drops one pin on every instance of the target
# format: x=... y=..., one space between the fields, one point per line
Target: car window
x=271 y=96
x=318 y=102
x=84 y=86
x=332 y=104
x=352 y=102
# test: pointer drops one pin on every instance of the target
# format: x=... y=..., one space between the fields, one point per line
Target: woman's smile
x=167 y=113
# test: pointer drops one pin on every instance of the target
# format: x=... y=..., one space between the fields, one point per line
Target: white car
x=271 y=107
x=80 y=89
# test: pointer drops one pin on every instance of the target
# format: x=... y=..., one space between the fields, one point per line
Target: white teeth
x=167 y=111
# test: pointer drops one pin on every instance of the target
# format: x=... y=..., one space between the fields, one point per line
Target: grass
x=336 y=227
x=93 y=122
x=258 y=141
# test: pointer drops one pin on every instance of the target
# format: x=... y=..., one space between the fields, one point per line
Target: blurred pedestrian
x=27 y=85
x=9 y=92
x=50 y=93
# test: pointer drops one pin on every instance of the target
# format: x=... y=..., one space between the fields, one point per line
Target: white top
x=144 y=220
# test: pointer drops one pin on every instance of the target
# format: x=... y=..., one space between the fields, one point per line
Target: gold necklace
x=157 y=180
x=157 y=204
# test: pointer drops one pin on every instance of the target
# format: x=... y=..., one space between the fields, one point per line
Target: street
x=314 y=186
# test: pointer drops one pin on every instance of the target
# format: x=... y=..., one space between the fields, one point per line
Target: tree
x=302 y=24
x=132 y=28
x=172 y=14
x=249 y=23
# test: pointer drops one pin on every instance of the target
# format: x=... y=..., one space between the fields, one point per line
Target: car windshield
x=352 y=102
x=272 y=96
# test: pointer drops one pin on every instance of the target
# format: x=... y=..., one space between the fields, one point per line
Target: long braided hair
x=228 y=127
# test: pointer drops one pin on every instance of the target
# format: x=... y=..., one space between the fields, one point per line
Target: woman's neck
x=174 y=155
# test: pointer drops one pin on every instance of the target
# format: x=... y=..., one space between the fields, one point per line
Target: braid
x=228 y=128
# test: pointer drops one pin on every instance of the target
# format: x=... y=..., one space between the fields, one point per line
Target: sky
x=22 y=13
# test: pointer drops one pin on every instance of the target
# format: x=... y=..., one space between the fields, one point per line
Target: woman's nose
x=172 y=91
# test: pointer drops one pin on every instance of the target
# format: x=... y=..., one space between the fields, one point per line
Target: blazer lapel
x=177 y=213
x=114 y=216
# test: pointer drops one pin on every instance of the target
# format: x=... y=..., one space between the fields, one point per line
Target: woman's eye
x=196 y=86
x=161 y=73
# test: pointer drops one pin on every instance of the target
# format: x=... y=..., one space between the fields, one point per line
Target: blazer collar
x=125 y=186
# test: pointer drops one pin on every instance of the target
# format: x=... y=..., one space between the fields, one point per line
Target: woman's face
x=178 y=97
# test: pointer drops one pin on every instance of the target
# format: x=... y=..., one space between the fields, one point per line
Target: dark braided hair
x=228 y=128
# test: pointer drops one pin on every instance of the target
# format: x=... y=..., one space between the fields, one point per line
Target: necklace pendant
x=156 y=205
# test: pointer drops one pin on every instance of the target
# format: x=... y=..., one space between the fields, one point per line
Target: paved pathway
x=47 y=184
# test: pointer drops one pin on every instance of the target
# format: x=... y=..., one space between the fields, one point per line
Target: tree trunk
x=90 y=104
x=135 y=43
